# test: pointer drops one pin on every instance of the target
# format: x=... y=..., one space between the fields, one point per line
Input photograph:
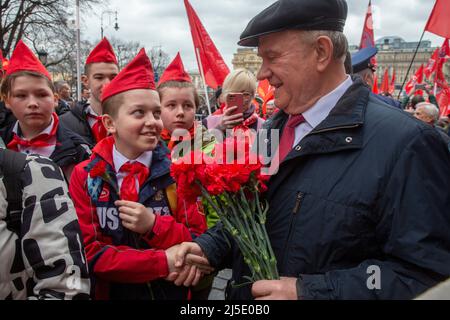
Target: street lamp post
x=109 y=12
x=78 y=33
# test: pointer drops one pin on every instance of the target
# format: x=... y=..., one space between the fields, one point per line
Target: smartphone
x=236 y=100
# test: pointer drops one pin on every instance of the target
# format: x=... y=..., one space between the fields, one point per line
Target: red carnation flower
x=98 y=170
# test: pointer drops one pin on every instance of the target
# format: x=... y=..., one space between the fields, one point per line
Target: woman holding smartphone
x=239 y=90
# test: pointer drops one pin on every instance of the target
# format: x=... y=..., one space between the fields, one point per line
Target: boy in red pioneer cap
x=126 y=199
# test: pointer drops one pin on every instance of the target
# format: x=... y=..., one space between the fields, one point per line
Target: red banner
x=417 y=78
x=208 y=57
x=375 y=84
x=432 y=63
x=392 y=86
x=367 y=38
x=439 y=22
x=385 y=82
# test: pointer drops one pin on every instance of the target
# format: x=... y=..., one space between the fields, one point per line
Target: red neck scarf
x=171 y=143
x=41 y=141
x=128 y=189
x=98 y=129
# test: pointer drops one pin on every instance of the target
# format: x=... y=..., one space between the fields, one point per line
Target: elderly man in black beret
x=359 y=207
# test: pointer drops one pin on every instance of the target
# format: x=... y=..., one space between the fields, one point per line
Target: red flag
x=264 y=88
x=439 y=22
x=432 y=63
x=442 y=92
x=392 y=86
x=385 y=82
x=265 y=91
x=444 y=54
x=4 y=63
x=375 y=84
x=213 y=65
x=443 y=99
x=367 y=38
x=417 y=78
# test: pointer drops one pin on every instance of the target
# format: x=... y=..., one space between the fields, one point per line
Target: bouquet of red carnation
x=232 y=185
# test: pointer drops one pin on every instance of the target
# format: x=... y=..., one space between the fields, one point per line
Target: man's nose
x=263 y=73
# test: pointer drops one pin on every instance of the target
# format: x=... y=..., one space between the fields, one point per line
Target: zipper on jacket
x=336 y=128
x=298 y=204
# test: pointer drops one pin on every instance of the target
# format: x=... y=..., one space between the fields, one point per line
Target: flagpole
x=199 y=61
x=410 y=65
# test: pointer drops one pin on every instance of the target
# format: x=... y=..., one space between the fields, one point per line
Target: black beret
x=296 y=14
x=361 y=59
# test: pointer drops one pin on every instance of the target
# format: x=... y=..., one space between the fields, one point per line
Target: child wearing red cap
x=126 y=199
x=179 y=101
x=85 y=118
x=28 y=92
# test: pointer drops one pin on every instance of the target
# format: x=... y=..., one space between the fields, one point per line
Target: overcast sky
x=164 y=22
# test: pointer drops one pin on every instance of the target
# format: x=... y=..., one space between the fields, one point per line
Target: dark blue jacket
x=388 y=100
x=76 y=121
x=367 y=187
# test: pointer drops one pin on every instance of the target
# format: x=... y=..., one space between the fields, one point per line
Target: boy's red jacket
x=115 y=254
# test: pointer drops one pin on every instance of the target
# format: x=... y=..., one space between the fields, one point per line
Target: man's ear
x=324 y=52
x=55 y=99
x=85 y=80
x=109 y=123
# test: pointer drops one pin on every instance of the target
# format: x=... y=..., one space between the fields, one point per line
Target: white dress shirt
x=119 y=160
x=43 y=151
x=91 y=120
x=318 y=112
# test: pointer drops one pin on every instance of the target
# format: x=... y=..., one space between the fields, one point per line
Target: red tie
x=41 y=141
x=128 y=189
x=98 y=129
x=288 y=136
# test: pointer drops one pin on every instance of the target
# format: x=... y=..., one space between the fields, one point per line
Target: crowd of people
x=89 y=209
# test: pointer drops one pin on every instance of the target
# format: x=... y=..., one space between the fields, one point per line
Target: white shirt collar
x=89 y=110
x=318 y=112
x=119 y=159
x=47 y=130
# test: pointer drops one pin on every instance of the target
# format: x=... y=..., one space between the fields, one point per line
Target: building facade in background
x=247 y=58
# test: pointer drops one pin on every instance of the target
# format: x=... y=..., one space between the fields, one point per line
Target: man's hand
x=230 y=120
x=190 y=253
x=184 y=274
x=135 y=216
x=283 y=289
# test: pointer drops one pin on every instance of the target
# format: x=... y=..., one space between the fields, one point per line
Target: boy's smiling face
x=137 y=124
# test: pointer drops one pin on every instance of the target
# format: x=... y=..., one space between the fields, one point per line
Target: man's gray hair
x=430 y=109
x=59 y=84
x=338 y=39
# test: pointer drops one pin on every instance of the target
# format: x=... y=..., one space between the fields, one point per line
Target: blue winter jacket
x=367 y=190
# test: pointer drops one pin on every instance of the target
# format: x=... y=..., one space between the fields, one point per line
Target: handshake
x=187 y=264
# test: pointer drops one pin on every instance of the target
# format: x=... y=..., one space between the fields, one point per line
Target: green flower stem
x=264 y=260
x=244 y=220
x=246 y=239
